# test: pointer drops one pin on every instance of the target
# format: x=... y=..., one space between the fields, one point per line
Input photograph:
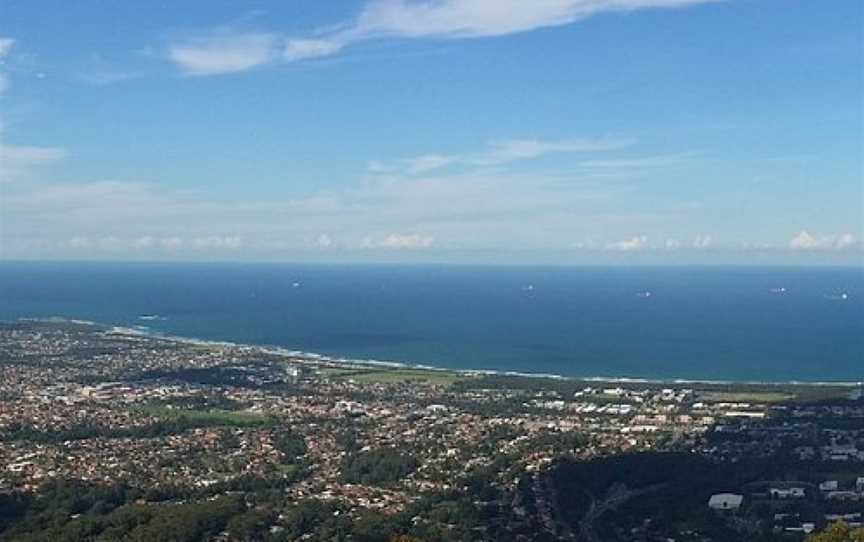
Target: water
x=651 y=322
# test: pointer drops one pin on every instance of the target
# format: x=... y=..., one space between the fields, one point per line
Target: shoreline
x=146 y=332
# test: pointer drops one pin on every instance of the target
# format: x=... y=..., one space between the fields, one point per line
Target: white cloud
x=26 y=155
x=144 y=242
x=661 y=161
x=672 y=244
x=702 y=241
x=224 y=52
x=846 y=240
x=509 y=150
x=635 y=243
x=585 y=245
x=474 y=207
x=501 y=152
x=6 y=45
x=227 y=51
x=79 y=243
x=171 y=242
x=147 y=242
x=215 y=241
x=807 y=241
x=15 y=160
x=301 y=49
x=98 y=71
x=429 y=162
x=456 y=19
x=323 y=241
x=98 y=243
x=396 y=241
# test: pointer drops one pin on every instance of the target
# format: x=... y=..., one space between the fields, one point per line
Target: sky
x=456 y=131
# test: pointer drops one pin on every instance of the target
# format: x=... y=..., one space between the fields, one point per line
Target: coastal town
x=180 y=421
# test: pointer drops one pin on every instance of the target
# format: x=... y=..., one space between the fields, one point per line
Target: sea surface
x=705 y=323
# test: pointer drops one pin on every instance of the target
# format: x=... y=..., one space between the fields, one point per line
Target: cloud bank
x=807 y=241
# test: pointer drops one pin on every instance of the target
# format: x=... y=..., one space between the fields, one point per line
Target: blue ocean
x=708 y=323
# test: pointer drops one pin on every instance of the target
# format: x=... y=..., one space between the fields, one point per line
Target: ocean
x=702 y=323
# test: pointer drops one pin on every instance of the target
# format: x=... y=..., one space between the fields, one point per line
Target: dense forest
x=618 y=498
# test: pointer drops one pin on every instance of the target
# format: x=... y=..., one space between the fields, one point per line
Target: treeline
x=383 y=466
x=291 y=444
x=78 y=512
x=75 y=512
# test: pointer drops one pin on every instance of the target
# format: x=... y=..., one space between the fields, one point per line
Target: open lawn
x=394 y=375
x=745 y=397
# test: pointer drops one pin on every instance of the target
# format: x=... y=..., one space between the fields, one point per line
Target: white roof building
x=792 y=492
x=725 y=501
x=829 y=485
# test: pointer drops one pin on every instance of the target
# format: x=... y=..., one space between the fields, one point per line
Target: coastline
x=143 y=331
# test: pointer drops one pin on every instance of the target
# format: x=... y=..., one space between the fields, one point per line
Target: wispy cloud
x=6 y=45
x=414 y=203
x=227 y=51
x=224 y=51
x=500 y=152
x=98 y=71
x=301 y=49
x=463 y=19
x=16 y=160
x=643 y=162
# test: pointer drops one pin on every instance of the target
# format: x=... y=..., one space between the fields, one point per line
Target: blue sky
x=553 y=131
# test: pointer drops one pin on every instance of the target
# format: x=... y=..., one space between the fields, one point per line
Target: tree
x=377 y=467
x=838 y=532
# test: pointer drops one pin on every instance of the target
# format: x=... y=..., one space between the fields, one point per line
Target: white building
x=829 y=485
x=725 y=502
x=790 y=493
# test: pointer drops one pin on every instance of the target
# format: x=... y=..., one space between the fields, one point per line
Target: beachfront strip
x=183 y=421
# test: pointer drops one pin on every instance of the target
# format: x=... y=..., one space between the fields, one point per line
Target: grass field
x=394 y=376
x=745 y=397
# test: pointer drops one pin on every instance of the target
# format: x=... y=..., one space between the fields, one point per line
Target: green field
x=745 y=397
x=393 y=375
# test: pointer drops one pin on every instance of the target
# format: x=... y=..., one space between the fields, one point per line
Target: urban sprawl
x=426 y=454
